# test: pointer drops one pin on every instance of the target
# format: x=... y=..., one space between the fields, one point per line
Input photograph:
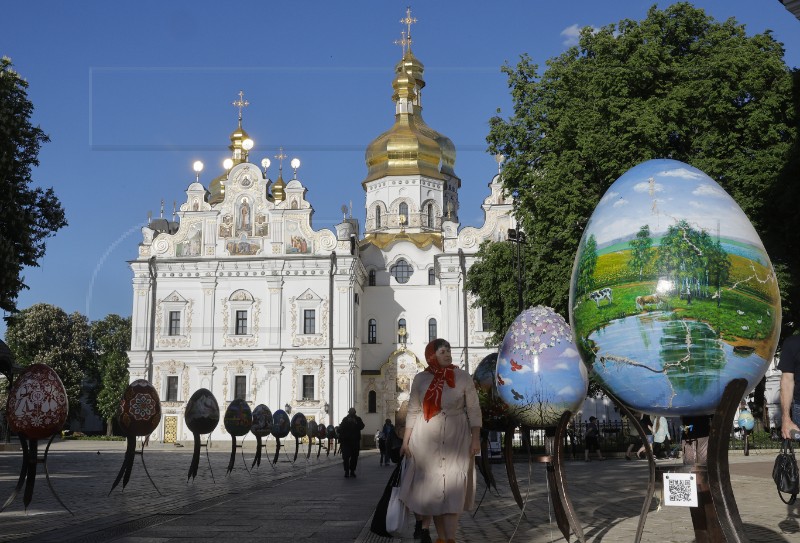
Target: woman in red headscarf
x=441 y=439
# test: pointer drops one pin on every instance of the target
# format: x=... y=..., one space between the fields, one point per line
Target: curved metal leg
x=719 y=477
x=508 y=454
x=243 y=460
x=560 y=482
x=208 y=459
x=651 y=486
x=23 y=473
x=141 y=454
x=47 y=476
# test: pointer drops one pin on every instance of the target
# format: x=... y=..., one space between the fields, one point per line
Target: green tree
x=30 y=215
x=45 y=334
x=677 y=84
x=111 y=338
x=586 y=266
x=641 y=251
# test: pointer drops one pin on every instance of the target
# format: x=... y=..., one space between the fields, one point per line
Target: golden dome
x=410 y=146
x=216 y=189
x=238 y=155
x=278 y=189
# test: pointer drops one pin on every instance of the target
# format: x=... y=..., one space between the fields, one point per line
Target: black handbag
x=785 y=473
x=378 y=525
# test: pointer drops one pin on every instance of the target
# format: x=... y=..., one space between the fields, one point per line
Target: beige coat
x=440 y=475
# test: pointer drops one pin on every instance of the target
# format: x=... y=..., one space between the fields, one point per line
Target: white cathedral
x=243 y=297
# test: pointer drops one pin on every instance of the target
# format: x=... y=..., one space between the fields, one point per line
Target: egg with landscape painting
x=202 y=412
x=37 y=404
x=539 y=373
x=746 y=420
x=672 y=293
x=494 y=410
x=280 y=424
x=238 y=418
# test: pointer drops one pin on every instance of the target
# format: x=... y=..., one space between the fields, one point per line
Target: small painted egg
x=746 y=420
x=139 y=408
x=262 y=421
x=202 y=412
x=238 y=418
x=280 y=424
x=37 y=404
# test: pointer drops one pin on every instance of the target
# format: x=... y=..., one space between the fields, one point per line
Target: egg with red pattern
x=139 y=409
x=37 y=404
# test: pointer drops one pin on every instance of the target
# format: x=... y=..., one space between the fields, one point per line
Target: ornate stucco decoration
x=308 y=366
x=174 y=302
x=241 y=299
x=308 y=300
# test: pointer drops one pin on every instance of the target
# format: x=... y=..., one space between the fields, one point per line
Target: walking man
x=350 y=441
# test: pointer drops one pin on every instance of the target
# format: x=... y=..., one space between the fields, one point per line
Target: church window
x=372 y=402
x=241 y=322
x=485 y=326
x=372 y=331
x=403 y=213
x=430 y=215
x=402 y=332
x=309 y=321
x=432 y=333
x=239 y=387
x=174 y=327
x=431 y=276
x=308 y=387
x=172 y=388
x=377 y=216
x=372 y=278
x=402 y=271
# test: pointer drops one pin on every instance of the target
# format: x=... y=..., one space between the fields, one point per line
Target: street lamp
x=518 y=236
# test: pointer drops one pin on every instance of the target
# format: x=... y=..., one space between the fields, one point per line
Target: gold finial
x=403 y=42
x=280 y=156
x=241 y=103
x=408 y=21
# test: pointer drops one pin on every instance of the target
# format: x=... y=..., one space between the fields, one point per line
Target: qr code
x=679 y=490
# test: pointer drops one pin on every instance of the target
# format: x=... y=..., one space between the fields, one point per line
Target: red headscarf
x=432 y=403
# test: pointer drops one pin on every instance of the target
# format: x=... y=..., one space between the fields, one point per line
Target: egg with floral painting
x=37 y=404
x=140 y=409
x=539 y=372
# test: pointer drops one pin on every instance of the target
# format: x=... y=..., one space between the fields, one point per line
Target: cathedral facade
x=243 y=297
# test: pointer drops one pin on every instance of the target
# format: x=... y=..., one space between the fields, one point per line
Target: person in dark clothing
x=385 y=435
x=350 y=441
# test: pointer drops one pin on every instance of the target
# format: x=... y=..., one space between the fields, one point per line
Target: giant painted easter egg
x=331 y=432
x=746 y=420
x=262 y=421
x=280 y=424
x=322 y=431
x=202 y=412
x=494 y=410
x=139 y=409
x=299 y=425
x=313 y=429
x=37 y=404
x=672 y=293
x=238 y=418
x=539 y=371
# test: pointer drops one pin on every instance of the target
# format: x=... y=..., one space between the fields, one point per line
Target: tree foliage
x=111 y=338
x=677 y=84
x=45 y=334
x=30 y=215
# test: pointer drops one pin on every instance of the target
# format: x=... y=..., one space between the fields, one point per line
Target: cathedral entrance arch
x=394 y=382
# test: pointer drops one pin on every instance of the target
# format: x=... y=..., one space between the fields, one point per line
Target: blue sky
x=132 y=93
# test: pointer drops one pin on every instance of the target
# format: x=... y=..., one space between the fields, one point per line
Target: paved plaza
x=310 y=500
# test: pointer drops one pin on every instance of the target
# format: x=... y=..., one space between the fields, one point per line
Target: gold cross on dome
x=408 y=21
x=403 y=42
x=280 y=156
x=241 y=103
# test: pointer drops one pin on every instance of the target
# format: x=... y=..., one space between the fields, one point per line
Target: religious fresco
x=672 y=293
x=244 y=222
x=243 y=246
x=296 y=242
x=262 y=226
x=226 y=228
x=191 y=246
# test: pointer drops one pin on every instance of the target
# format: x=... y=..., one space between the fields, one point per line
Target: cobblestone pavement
x=311 y=500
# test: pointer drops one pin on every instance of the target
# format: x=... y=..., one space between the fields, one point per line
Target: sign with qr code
x=680 y=489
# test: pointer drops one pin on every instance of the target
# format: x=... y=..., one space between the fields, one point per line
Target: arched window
x=432 y=334
x=377 y=216
x=430 y=215
x=404 y=213
x=372 y=331
x=431 y=276
x=402 y=332
x=372 y=402
x=401 y=271
x=372 y=278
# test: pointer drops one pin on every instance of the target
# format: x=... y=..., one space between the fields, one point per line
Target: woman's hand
x=475 y=446
x=405 y=451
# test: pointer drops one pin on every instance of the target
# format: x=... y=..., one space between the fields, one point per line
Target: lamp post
x=518 y=236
